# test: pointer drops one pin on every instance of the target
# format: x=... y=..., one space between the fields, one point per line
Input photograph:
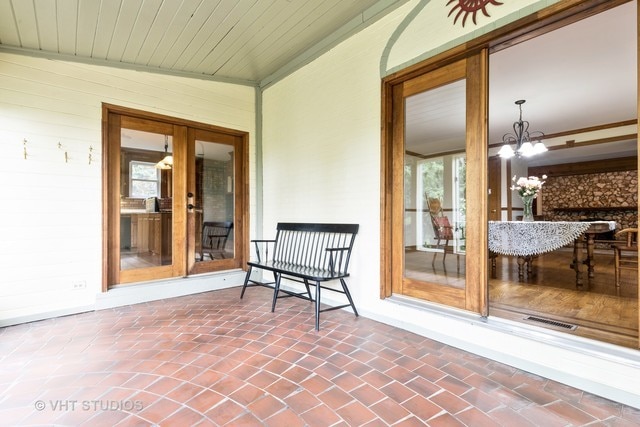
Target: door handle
x=193 y=208
x=190 y=205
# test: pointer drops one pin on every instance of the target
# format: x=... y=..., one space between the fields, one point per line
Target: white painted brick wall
x=51 y=212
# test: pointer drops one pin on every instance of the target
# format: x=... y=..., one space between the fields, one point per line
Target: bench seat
x=300 y=271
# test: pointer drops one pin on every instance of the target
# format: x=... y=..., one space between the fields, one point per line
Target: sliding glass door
x=432 y=138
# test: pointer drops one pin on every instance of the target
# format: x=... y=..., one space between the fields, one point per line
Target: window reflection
x=435 y=186
x=215 y=190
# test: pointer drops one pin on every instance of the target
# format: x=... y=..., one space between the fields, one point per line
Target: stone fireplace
x=610 y=196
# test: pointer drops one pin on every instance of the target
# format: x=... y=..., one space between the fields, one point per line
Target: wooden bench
x=311 y=254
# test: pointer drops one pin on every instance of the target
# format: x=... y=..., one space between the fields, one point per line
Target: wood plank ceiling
x=236 y=40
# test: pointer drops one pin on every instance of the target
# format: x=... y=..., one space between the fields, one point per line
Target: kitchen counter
x=132 y=211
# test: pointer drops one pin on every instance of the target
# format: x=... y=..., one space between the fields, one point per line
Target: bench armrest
x=266 y=247
x=340 y=261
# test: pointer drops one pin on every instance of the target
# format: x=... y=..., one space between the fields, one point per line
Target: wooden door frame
x=473 y=70
x=111 y=126
x=494 y=204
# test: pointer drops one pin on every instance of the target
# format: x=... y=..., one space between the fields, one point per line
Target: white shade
x=526 y=149
x=539 y=147
x=506 y=152
x=165 y=163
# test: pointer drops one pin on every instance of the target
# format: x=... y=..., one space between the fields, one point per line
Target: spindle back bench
x=308 y=253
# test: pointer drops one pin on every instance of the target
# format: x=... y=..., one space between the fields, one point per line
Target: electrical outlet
x=79 y=285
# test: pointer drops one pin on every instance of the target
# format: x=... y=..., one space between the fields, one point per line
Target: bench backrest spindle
x=315 y=246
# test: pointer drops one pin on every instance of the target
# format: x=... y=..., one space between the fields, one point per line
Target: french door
x=435 y=217
x=167 y=180
x=213 y=198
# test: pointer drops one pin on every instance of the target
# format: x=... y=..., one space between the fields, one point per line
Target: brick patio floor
x=214 y=360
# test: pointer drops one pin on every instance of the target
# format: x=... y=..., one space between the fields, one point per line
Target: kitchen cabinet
x=153 y=236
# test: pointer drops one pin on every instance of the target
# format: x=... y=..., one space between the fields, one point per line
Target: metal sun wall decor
x=465 y=8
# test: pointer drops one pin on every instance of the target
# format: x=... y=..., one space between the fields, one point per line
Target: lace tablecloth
x=520 y=238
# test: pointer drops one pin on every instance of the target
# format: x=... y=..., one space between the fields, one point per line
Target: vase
x=527 y=213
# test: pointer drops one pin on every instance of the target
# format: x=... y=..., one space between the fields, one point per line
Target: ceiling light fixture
x=167 y=162
x=521 y=137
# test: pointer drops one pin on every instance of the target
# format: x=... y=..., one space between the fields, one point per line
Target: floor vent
x=552 y=323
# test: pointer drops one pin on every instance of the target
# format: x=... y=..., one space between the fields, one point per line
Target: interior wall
x=51 y=216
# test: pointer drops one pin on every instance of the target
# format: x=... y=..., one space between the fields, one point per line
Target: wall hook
x=24 y=149
x=66 y=156
x=90 y=151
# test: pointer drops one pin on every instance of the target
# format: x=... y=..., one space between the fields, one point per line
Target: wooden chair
x=442 y=229
x=625 y=252
x=214 y=238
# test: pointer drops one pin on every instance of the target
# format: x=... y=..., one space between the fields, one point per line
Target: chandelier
x=521 y=137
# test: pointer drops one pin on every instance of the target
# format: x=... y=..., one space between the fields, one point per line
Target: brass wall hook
x=66 y=155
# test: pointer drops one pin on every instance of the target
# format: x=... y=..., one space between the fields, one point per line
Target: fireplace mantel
x=596 y=209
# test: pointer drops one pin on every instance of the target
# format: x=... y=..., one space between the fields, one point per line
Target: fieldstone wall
x=610 y=196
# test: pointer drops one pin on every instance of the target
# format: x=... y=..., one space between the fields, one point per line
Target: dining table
x=527 y=239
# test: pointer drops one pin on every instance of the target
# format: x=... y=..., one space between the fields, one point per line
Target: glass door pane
x=146 y=203
x=214 y=201
x=435 y=186
x=214 y=198
x=589 y=172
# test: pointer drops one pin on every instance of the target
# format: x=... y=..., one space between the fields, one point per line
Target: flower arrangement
x=528 y=187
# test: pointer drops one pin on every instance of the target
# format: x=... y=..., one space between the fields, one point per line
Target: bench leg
x=276 y=290
x=348 y=294
x=246 y=282
x=306 y=284
x=317 y=302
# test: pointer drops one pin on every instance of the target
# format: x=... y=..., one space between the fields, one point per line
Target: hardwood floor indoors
x=596 y=310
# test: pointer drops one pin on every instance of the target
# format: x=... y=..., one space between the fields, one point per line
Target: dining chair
x=625 y=251
x=442 y=229
x=214 y=238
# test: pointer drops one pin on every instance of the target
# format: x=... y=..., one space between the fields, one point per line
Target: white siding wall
x=321 y=147
x=51 y=217
x=321 y=141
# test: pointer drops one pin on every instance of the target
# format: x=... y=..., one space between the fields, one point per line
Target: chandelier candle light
x=521 y=137
x=528 y=189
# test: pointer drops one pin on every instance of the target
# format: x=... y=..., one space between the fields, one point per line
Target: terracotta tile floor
x=213 y=359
